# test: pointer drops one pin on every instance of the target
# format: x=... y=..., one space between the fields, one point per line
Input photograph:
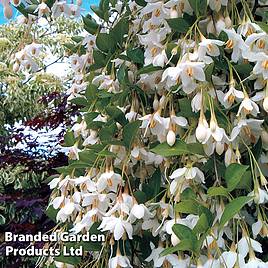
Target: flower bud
x=213 y=125
x=201 y=131
x=155 y=104
x=256 y=196
x=171 y=137
x=8 y=11
x=265 y=104
x=219 y=148
x=162 y=101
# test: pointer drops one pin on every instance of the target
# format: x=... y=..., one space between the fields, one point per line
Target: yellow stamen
x=110 y=182
x=261 y=44
x=210 y=47
x=189 y=71
x=231 y=99
x=230 y=44
x=265 y=64
x=157 y=12
x=249 y=31
x=153 y=51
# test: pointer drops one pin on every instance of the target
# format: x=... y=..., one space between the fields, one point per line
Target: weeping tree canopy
x=21 y=92
x=168 y=154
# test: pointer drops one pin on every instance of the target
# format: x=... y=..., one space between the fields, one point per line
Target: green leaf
x=2 y=220
x=98 y=11
x=80 y=101
x=106 y=153
x=117 y=115
x=243 y=69
x=136 y=55
x=140 y=196
x=122 y=74
x=30 y=9
x=129 y=132
x=246 y=182
x=90 y=25
x=202 y=224
x=71 y=47
x=186 y=108
x=100 y=59
x=199 y=6
x=89 y=117
x=87 y=156
x=233 y=174
x=187 y=237
x=152 y=188
x=182 y=246
x=183 y=232
x=120 y=30
x=179 y=148
x=187 y=194
x=141 y=3
x=104 y=5
x=189 y=206
x=105 y=42
x=50 y=3
x=79 y=164
x=69 y=139
x=91 y=92
x=106 y=134
x=217 y=191
x=223 y=36
x=22 y=10
x=233 y=208
x=179 y=25
x=77 y=38
x=209 y=71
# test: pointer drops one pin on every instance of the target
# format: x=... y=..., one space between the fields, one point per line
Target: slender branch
x=41 y=69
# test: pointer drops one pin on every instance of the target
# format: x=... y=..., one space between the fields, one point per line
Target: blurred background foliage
x=19 y=94
x=34 y=103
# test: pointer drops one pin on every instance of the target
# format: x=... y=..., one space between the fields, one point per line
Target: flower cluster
x=169 y=154
x=27 y=58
